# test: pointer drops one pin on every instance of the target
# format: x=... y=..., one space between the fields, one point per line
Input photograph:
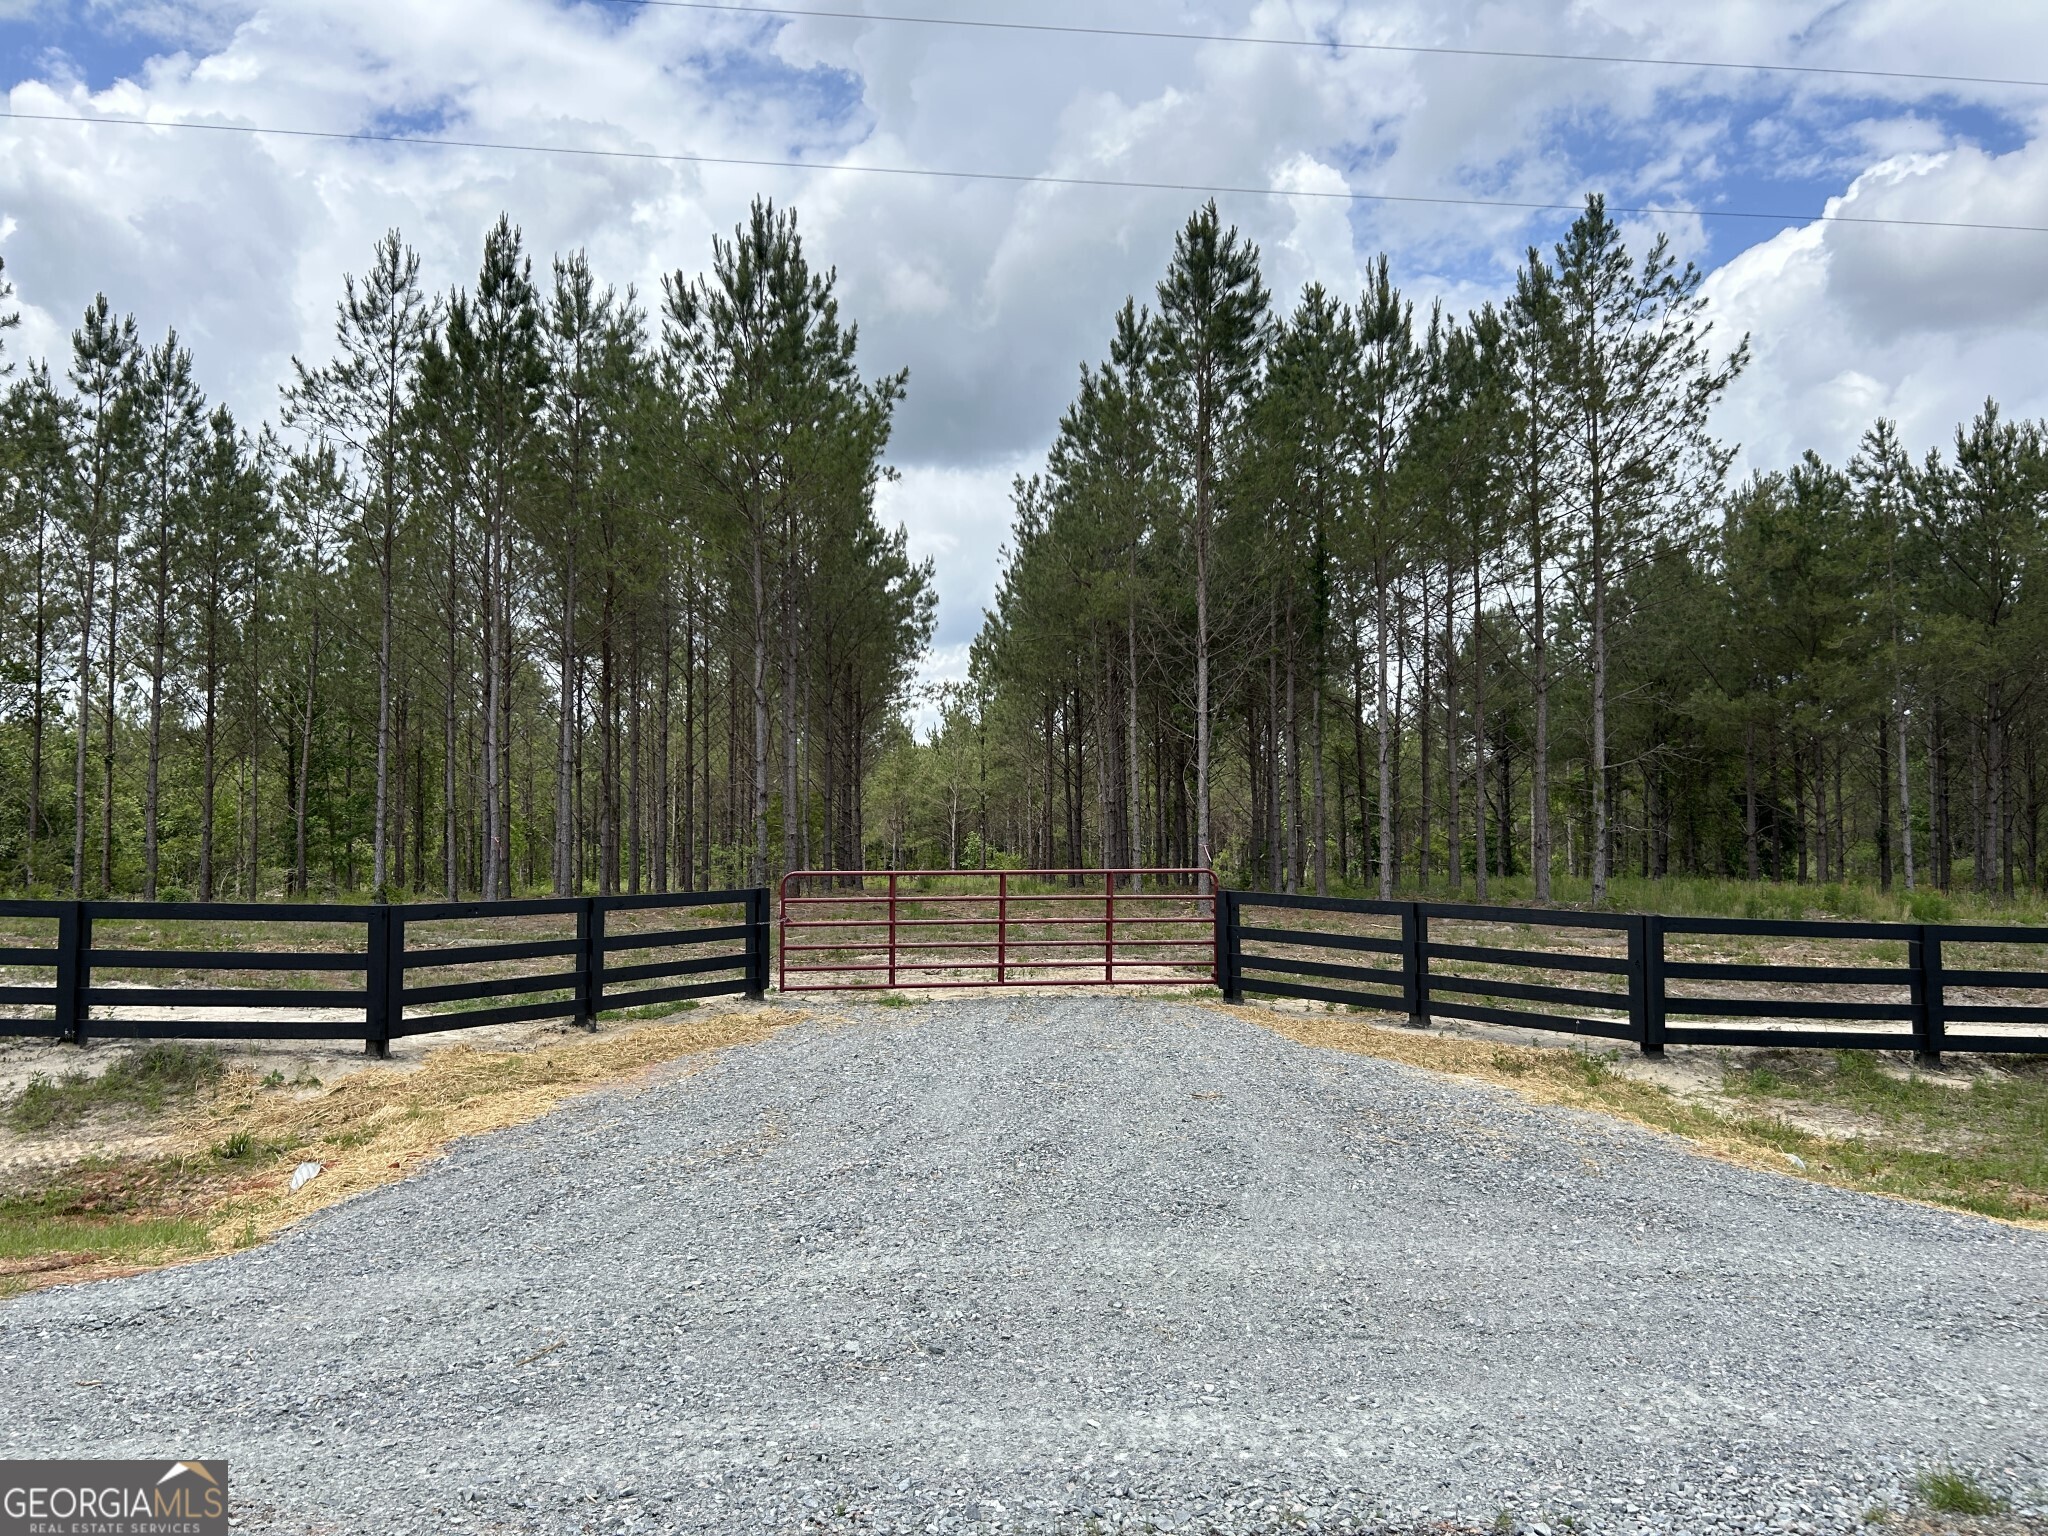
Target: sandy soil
x=323 y=1062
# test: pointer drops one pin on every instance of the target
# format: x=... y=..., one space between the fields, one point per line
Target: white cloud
x=993 y=294
x=959 y=518
x=1851 y=322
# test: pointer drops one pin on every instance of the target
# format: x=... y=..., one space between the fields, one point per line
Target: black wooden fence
x=1650 y=980
x=394 y=969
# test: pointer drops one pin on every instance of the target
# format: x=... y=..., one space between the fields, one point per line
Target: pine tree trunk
x=1601 y=831
x=1904 y=758
x=1320 y=832
x=1278 y=875
x=636 y=744
x=1998 y=785
x=1205 y=856
x=791 y=807
x=1821 y=844
x=152 y=780
x=504 y=689
x=1425 y=712
x=255 y=754
x=1296 y=853
x=207 y=773
x=665 y=715
x=487 y=763
x=40 y=704
x=1884 y=805
x=758 y=864
x=107 y=743
x=1478 y=737
x=1749 y=798
x=1799 y=810
x=1539 y=757
x=1132 y=790
x=451 y=844
x=565 y=740
x=1365 y=862
x=687 y=845
x=84 y=727
x=299 y=872
x=381 y=795
x=1454 y=816
x=1384 y=727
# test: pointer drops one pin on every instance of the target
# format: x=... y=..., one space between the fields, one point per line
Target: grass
x=148 y=1079
x=226 y=1182
x=35 y=1247
x=1948 y=1492
x=1982 y=1149
x=1702 y=896
x=648 y=1011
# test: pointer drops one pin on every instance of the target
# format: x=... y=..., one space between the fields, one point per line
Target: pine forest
x=542 y=586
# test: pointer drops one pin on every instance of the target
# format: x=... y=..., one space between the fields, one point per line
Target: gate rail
x=874 y=930
x=1902 y=985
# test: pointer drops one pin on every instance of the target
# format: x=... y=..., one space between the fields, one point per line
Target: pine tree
x=1533 y=321
x=1212 y=324
x=1389 y=380
x=170 y=416
x=231 y=510
x=361 y=403
x=103 y=373
x=1882 y=475
x=39 y=500
x=780 y=424
x=1637 y=380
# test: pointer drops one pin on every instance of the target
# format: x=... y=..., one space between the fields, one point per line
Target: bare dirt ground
x=308 y=1067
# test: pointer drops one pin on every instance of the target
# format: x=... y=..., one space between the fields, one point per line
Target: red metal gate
x=849 y=930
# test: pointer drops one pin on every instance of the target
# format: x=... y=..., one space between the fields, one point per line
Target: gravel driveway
x=1064 y=1264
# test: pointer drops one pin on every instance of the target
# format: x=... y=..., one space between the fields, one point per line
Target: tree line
x=529 y=586
x=1351 y=597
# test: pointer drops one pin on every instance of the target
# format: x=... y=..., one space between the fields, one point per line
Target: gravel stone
x=1066 y=1264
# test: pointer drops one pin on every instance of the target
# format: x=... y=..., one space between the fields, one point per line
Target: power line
x=1012 y=178
x=1328 y=45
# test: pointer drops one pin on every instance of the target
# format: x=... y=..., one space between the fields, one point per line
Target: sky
x=993 y=294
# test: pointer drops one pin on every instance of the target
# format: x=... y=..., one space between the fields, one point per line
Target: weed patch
x=1948 y=1492
x=148 y=1079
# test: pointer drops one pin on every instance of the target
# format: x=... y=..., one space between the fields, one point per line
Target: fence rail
x=1664 y=984
x=407 y=974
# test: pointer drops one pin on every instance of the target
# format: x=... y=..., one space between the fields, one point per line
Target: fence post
x=1109 y=927
x=74 y=947
x=378 y=969
x=1415 y=964
x=757 y=944
x=589 y=961
x=1227 y=942
x=394 y=976
x=1930 y=999
x=1646 y=982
